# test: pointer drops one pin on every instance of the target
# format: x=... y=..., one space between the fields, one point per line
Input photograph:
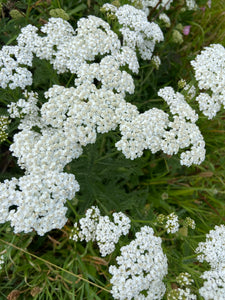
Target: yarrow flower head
x=209 y=67
x=214 y=284
x=213 y=249
x=213 y=252
x=94 y=227
x=137 y=32
x=141 y=267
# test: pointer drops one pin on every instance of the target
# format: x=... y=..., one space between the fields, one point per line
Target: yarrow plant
x=106 y=233
x=96 y=68
x=141 y=268
x=213 y=252
x=71 y=117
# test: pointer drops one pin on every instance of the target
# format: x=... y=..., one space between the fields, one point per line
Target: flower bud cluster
x=4 y=122
x=209 y=68
x=184 y=279
x=181 y=294
x=94 y=227
x=172 y=223
x=141 y=267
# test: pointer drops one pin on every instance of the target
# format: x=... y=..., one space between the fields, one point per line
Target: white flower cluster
x=52 y=134
x=137 y=32
x=214 y=284
x=142 y=266
x=191 y=4
x=172 y=223
x=147 y=4
x=213 y=251
x=94 y=227
x=153 y=130
x=209 y=69
x=183 y=133
x=36 y=201
x=12 y=73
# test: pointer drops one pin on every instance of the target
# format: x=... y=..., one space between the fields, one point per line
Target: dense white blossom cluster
x=12 y=73
x=36 y=201
x=153 y=130
x=213 y=251
x=94 y=227
x=53 y=133
x=184 y=132
x=137 y=32
x=141 y=268
x=69 y=119
x=214 y=284
x=209 y=68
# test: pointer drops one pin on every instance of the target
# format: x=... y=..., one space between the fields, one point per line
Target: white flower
x=36 y=201
x=137 y=31
x=209 y=69
x=94 y=227
x=147 y=4
x=141 y=266
x=214 y=284
x=191 y=4
x=165 y=19
x=213 y=249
